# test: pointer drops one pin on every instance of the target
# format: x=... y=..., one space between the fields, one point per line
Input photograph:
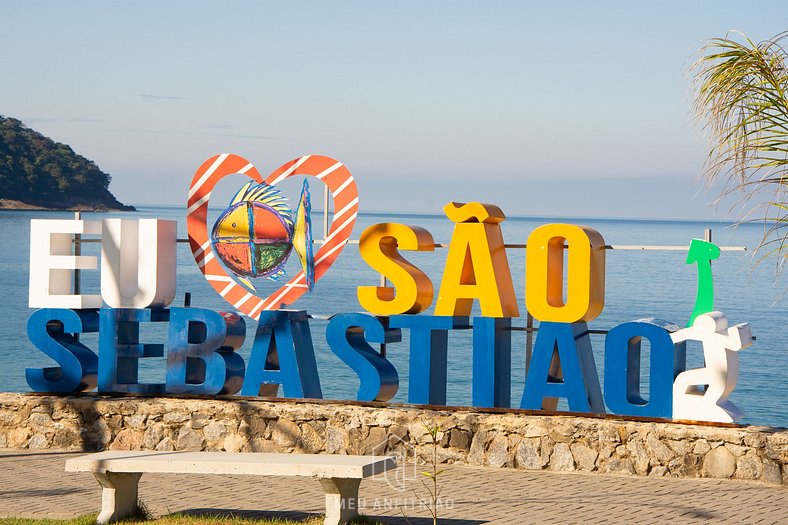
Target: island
x=37 y=173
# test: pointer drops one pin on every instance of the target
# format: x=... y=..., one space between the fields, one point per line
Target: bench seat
x=119 y=472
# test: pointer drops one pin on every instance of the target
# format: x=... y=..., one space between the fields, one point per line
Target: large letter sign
x=492 y=362
x=544 y=273
x=260 y=237
x=138 y=263
x=721 y=346
x=348 y=336
x=120 y=349
x=572 y=376
x=52 y=264
x=283 y=354
x=476 y=267
x=622 y=368
x=412 y=292
x=54 y=331
x=201 y=356
x=429 y=337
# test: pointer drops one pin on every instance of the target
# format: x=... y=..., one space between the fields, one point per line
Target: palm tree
x=740 y=96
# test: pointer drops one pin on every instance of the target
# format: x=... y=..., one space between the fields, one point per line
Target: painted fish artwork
x=256 y=234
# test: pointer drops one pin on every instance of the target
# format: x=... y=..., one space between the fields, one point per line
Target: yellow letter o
x=544 y=273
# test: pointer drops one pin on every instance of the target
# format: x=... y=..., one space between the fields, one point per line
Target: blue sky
x=549 y=108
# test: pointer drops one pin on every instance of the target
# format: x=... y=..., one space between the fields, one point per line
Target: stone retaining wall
x=547 y=442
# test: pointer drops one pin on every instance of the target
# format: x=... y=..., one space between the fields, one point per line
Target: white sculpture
x=701 y=394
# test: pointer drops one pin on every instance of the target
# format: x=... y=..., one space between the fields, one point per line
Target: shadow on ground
x=303 y=516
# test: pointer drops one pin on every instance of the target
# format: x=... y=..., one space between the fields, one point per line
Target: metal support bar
x=77 y=253
x=529 y=339
x=325 y=211
x=624 y=247
x=382 y=345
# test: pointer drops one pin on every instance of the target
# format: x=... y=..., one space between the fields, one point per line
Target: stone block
x=98 y=433
x=460 y=439
x=265 y=445
x=561 y=460
x=66 y=438
x=719 y=463
x=658 y=472
x=772 y=472
x=336 y=440
x=680 y=447
x=153 y=435
x=498 y=451
x=188 y=439
x=528 y=454
x=127 y=439
x=562 y=433
x=136 y=421
x=749 y=466
x=755 y=440
x=777 y=447
x=659 y=450
x=687 y=466
x=233 y=443
x=355 y=441
x=40 y=421
x=448 y=455
x=737 y=450
x=619 y=466
x=376 y=441
x=165 y=445
x=476 y=455
x=199 y=420
x=536 y=428
x=214 y=431
x=701 y=447
x=585 y=457
x=176 y=417
x=38 y=442
x=637 y=453
x=418 y=432
x=312 y=439
x=285 y=433
x=397 y=433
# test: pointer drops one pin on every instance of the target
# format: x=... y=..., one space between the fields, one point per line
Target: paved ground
x=34 y=484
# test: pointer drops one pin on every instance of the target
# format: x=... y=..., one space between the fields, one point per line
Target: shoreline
x=14 y=205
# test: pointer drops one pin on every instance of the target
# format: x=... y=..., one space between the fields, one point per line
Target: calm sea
x=639 y=284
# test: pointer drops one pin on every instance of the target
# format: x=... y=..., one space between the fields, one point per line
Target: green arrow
x=703 y=252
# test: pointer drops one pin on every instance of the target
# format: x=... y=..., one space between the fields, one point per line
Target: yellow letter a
x=476 y=266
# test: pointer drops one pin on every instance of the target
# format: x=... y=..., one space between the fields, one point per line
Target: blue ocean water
x=638 y=284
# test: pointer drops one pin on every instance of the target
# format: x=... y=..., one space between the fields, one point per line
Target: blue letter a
x=282 y=354
x=580 y=382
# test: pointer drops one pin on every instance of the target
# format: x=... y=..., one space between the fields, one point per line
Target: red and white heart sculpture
x=330 y=171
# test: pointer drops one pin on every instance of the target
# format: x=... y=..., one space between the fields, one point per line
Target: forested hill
x=37 y=172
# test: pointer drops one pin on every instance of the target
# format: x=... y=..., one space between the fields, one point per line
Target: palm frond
x=741 y=97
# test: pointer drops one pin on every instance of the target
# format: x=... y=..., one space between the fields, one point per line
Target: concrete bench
x=119 y=472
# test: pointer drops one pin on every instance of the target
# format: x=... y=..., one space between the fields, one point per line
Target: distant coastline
x=10 y=204
x=37 y=173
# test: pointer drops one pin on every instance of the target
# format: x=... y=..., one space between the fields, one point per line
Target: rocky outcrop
x=542 y=442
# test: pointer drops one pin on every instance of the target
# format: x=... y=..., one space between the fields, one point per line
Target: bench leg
x=118 y=495
x=341 y=499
